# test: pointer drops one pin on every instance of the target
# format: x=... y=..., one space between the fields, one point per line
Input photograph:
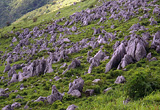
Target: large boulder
x=76 y=93
x=55 y=95
x=7 y=68
x=116 y=57
x=137 y=48
x=14 y=78
x=126 y=60
x=11 y=72
x=15 y=105
x=76 y=85
x=75 y=63
x=156 y=39
x=3 y=93
x=95 y=61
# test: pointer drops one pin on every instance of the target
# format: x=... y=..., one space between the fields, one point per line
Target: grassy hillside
x=142 y=77
x=48 y=8
x=11 y=10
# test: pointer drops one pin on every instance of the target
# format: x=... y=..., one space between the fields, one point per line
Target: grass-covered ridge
x=22 y=10
x=142 y=78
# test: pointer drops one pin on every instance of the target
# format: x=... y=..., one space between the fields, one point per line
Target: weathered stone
x=71 y=107
x=41 y=99
x=11 y=72
x=76 y=85
x=76 y=93
x=96 y=80
x=149 y=56
x=14 y=78
x=126 y=60
x=7 y=68
x=116 y=57
x=7 y=107
x=126 y=101
x=3 y=93
x=21 y=87
x=14 y=39
x=153 y=59
x=120 y=79
x=89 y=92
x=56 y=78
x=55 y=95
x=15 y=105
x=16 y=66
x=66 y=40
x=64 y=65
x=75 y=63
x=19 y=97
x=137 y=48
x=106 y=90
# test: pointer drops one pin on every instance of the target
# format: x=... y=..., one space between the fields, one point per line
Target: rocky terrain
x=103 y=57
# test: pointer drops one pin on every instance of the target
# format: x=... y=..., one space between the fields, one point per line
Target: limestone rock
x=71 y=107
x=76 y=93
x=116 y=57
x=76 y=85
x=120 y=79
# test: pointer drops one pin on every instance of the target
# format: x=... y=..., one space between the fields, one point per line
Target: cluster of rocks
x=76 y=87
x=125 y=52
x=15 y=105
x=35 y=68
x=128 y=52
x=55 y=95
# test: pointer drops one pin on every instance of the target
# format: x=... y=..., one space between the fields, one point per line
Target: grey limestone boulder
x=41 y=99
x=14 y=78
x=137 y=48
x=126 y=60
x=11 y=72
x=106 y=90
x=75 y=93
x=7 y=107
x=14 y=39
x=7 y=68
x=55 y=95
x=71 y=107
x=116 y=57
x=76 y=85
x=3 y=93
x=15 y=105
x=120 y=79
x=75 y=63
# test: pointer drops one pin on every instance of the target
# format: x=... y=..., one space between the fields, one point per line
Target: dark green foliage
x=33 y=104
x=141 y=84
x=34 y=19
x=68 y=97
x=56 y=104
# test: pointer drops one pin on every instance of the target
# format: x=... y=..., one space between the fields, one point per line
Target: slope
x=80 y=43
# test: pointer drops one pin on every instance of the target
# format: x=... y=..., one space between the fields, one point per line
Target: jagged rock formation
x=53 y=50
x=76 y=87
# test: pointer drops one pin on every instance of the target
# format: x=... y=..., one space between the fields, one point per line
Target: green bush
x=141 y=84
x=56 y=104
x=68 y=97
x=36 y=104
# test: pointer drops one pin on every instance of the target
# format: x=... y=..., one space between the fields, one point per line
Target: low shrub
x=141 y=84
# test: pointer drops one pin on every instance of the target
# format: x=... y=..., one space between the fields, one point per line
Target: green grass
x=113 y=99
